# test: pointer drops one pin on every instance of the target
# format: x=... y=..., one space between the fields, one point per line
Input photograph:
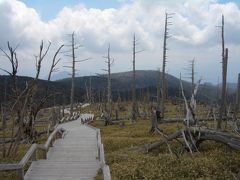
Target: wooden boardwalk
x=73 y=157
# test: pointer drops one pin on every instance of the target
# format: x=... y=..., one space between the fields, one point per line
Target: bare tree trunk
x=133 y=118
x=223 y=111
x=159 y=91
x=222 y=107
x=154 y=124
x=109 y=86
x=90 y=90
x=108 y=115
x=73 y=76
x=3 y=117
x=163 y=83
x=193 y=76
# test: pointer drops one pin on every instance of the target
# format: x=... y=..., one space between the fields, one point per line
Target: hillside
x=146 y=82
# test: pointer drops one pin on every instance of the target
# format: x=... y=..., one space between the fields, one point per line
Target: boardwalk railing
x=101 y=156
x=32 y=154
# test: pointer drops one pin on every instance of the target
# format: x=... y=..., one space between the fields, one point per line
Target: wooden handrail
x=31 y=153
x=4 y=167
x=101 y=156
x=106 y=172
x=50 y=138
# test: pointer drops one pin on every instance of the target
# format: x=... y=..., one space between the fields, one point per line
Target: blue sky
x=48 y=9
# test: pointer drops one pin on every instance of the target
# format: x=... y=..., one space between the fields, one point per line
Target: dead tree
x=134 y=103
x=193 y=75
x=199 y=135
x=72 y=54
x=163 y=82
x=133 y=118
x=15 y=106
x=159 y=90
x=88 y=88
x=192 y=135
x=91 y=100
x=109 y=62
x=223 y=111
x=73 y=75
x=191 y=106
x=154 y=123
x=39 y=104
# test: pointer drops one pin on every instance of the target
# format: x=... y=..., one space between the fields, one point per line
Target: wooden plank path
x=72 y=158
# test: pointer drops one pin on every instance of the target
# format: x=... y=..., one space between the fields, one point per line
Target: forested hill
x=146 y=81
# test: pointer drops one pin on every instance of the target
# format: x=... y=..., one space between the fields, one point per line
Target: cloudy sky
x=194 y=33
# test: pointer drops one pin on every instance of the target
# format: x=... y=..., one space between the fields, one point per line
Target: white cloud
x=194 y=28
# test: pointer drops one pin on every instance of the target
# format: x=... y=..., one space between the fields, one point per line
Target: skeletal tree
x=109 y=62
x=26 y=103
x=133 y=119
x=222 y=110
x=47 y=95
x=193 y=75
x=163 y=81
x=23 y=101
x=32 y=90
x=73 y=75
x=74 y=47
x=134 y=103
x=88 y=88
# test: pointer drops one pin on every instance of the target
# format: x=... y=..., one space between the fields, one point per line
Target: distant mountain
x=122 y=82
x=146 y=82
x=59 y=75
x=60 y=92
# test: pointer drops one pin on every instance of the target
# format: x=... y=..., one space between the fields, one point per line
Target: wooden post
x=34 y=155
x=45 y=154
x=20 y=174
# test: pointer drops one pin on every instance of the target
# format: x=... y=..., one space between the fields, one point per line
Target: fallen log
x=199 y=135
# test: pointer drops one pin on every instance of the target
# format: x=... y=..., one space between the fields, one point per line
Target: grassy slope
x=215 y=161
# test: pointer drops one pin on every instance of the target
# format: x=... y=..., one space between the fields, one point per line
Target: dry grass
x=215 y=161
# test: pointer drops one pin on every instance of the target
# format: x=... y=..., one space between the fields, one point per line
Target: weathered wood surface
x=72 y=158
